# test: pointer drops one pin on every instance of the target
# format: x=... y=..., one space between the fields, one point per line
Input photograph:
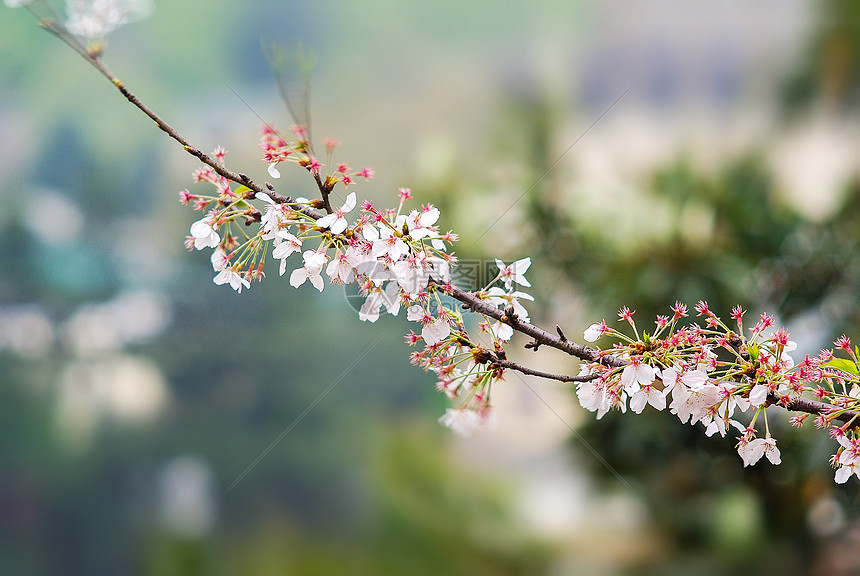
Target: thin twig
x=238 y=178
x=540 y=374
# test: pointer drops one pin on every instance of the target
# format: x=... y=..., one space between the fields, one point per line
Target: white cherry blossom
x=751 y=451
x=234 y=278
x=436 y=331
x=514 y=273
x=691 y=404
x=289 y=245
x=637 y=374
x=378 y=298
x=342 y=266
x=336 y=221
x=389 y=244
x=507 y=298
x=219 y=260
x=846 y=470
x=204 y=234
x=593 y=397
x=464 y=422
x=648 y=394
x=595 y=331
x=314 y=262
x=419 y=223
x=96 y=18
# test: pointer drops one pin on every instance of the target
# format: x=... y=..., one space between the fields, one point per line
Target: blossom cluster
x=711 y=373
x=95 y=19
x=399 y=259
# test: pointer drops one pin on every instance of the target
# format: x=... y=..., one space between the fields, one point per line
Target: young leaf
x=843 y=365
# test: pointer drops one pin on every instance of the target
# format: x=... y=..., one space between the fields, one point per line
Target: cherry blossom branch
x=542 y=337
x=402 y=259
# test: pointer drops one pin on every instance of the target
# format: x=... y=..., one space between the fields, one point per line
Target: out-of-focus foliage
x=830 y=73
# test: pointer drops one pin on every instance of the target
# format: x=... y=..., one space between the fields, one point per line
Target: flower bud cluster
x=711 y=374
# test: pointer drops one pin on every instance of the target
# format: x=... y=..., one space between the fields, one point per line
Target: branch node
x=560 y=333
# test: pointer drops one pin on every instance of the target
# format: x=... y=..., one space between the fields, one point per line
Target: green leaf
x=843 y=365
x=752 y=350
x=240 y=191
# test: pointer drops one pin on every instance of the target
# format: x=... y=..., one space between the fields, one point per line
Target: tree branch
x=549 y=376
x=472 y=302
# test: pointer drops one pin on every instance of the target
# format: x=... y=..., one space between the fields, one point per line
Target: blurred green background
x=148 y=418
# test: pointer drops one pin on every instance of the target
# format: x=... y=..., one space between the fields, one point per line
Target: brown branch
x=325 y=190
x=541 y=336
x=529 y=371
x=817 y=407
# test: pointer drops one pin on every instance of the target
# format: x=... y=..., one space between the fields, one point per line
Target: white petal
x=298 y=277
x=435 y=332
x=628 y=379
x=772 y=452
x=349 y=204
x=593 y=332
x=273 y=172
x=370 y=232
x=638 y=402
x=504 y=332
x=429 y=218
x=338 y=226
x=843 y=473
x=758 y=395
x=327 y=220
x=657 y=400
